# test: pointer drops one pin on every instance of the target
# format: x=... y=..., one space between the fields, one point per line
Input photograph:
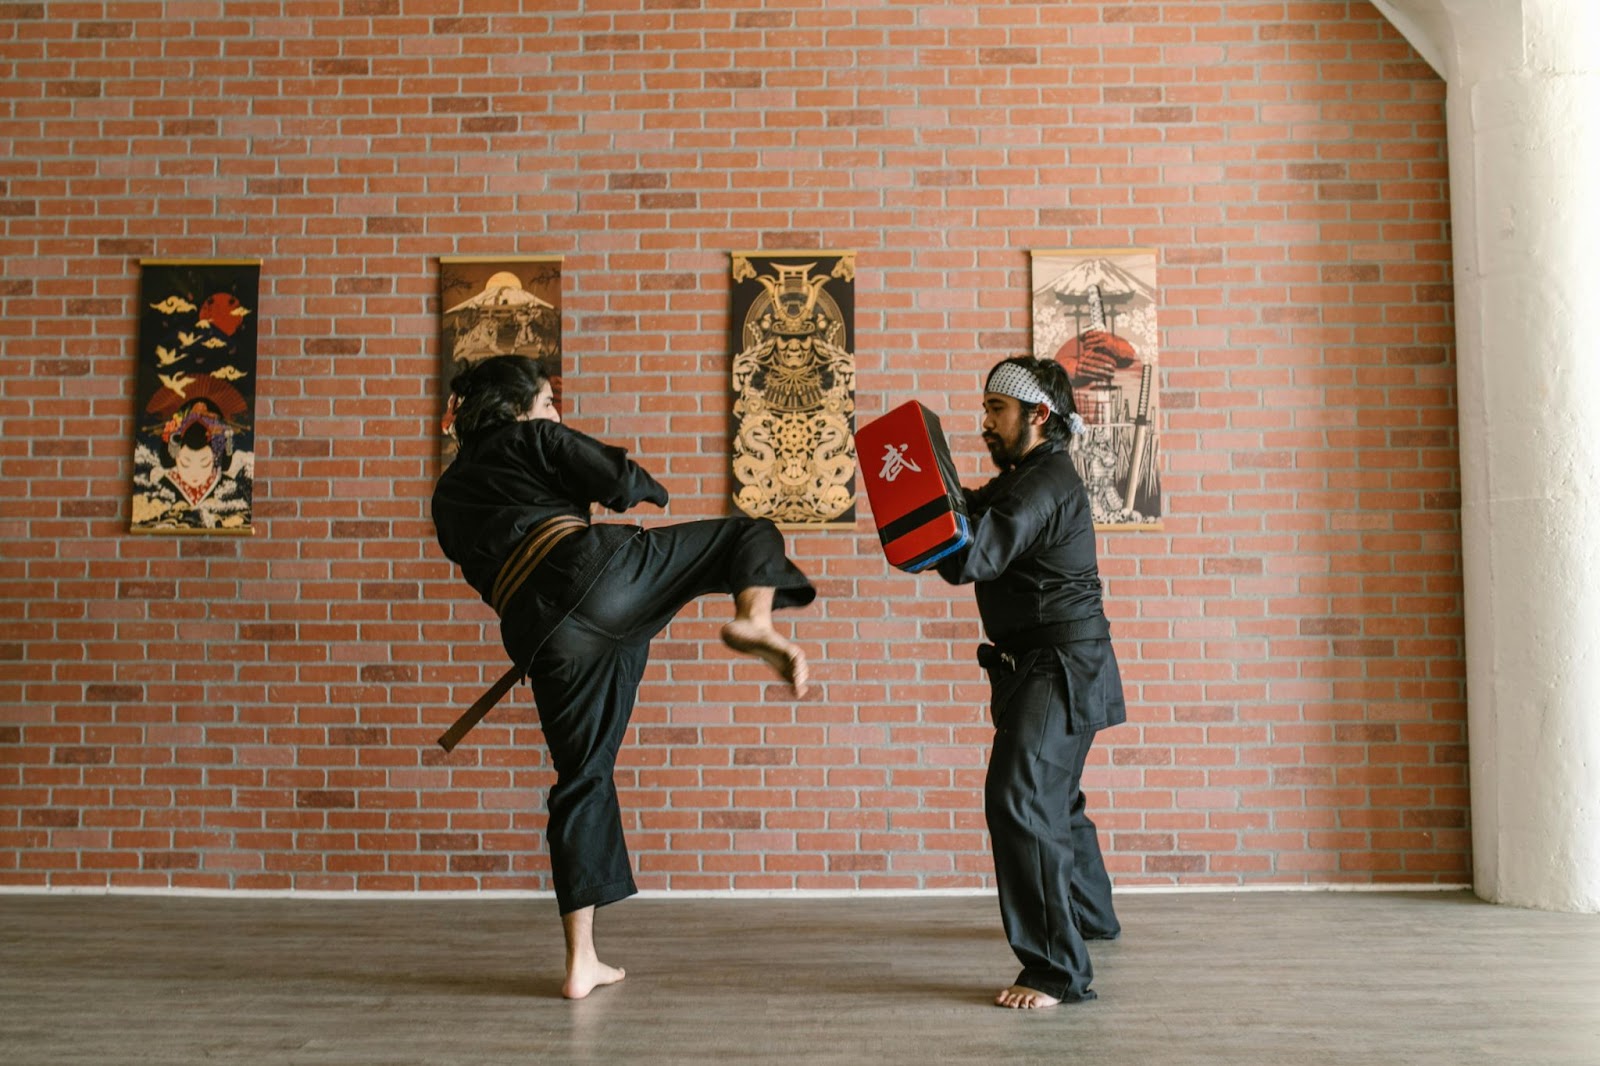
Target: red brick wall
x=259 y=713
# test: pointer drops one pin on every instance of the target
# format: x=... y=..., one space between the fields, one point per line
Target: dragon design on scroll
x=794 y=455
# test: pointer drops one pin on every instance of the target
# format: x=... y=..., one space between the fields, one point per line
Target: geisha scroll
x=1095 y=313
x=509 y=305
x=194 y=396
x=794 y=378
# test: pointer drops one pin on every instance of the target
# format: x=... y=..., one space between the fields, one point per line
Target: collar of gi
x=1043 y=448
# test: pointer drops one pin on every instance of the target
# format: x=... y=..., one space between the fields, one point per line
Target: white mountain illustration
x=1114 y=281
x=502 y=290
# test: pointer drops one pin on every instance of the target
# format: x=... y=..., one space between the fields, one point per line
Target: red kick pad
x=916 y=497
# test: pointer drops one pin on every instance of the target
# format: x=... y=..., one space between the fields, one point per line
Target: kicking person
x=580 y=602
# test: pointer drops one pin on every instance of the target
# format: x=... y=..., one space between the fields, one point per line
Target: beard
x=1004 y=453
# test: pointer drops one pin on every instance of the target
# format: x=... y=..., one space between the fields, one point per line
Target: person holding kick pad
x=1054 y=677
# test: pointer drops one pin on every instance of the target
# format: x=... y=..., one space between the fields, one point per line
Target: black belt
x=516 y=570
x=1051 y=636
x=1096 y=628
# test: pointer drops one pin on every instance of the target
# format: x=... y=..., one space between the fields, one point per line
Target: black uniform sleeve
x=978 y=499
x=976 y=502
x=950 y=566
x=594 y=472
x=1006 y=525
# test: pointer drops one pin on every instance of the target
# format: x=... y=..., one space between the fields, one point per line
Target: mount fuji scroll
x=506 y=305
x=1094 y=311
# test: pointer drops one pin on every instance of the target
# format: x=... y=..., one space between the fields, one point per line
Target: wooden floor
x=1280 y=979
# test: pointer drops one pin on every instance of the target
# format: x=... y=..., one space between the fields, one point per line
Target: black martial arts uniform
x=582 y=620
x=1055 y=683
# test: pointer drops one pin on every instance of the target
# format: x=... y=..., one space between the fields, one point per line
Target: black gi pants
x=1054 y=890
x=586 y=676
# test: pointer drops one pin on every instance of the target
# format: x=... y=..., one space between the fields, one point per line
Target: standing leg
x=585 y=971
x=1031 y=787
x=1092 y=911
x=584 y=685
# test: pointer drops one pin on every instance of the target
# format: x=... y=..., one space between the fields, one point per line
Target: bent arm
x=1002 y=530
x=590 y=470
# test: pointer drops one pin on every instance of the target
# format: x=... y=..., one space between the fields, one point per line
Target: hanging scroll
x=194 y=396
x=507 y=305
x=1095 y=312
x=793 y=448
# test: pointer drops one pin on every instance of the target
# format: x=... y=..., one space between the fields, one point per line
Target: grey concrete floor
x=1280 y=979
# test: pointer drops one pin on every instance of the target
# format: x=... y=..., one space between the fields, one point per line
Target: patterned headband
x=1009 y=379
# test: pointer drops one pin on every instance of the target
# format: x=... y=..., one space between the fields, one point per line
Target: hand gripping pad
x=916 y=497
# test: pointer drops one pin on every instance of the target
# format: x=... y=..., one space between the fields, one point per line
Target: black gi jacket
x=508 y=481
x=1032 y=557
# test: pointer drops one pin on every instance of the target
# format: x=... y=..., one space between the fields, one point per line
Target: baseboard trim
x=357 y=895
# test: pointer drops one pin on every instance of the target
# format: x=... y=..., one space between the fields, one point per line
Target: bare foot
x=585 y=977
x=1021 y=997
x=763 y=642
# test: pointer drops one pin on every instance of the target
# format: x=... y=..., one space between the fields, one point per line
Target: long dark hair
x=495 y=392
x=1052 y=378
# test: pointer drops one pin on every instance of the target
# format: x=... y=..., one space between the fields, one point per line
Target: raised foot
x=764 y=643
x=1021 y=997
x=585 y=977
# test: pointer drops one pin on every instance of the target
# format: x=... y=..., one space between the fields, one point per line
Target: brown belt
x=516 y=570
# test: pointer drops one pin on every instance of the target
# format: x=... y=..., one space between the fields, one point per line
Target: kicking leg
x=585 y=971
x=650 y=581
x=751 y=633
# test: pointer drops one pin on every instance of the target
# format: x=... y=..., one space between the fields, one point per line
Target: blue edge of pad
x=963 y=538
